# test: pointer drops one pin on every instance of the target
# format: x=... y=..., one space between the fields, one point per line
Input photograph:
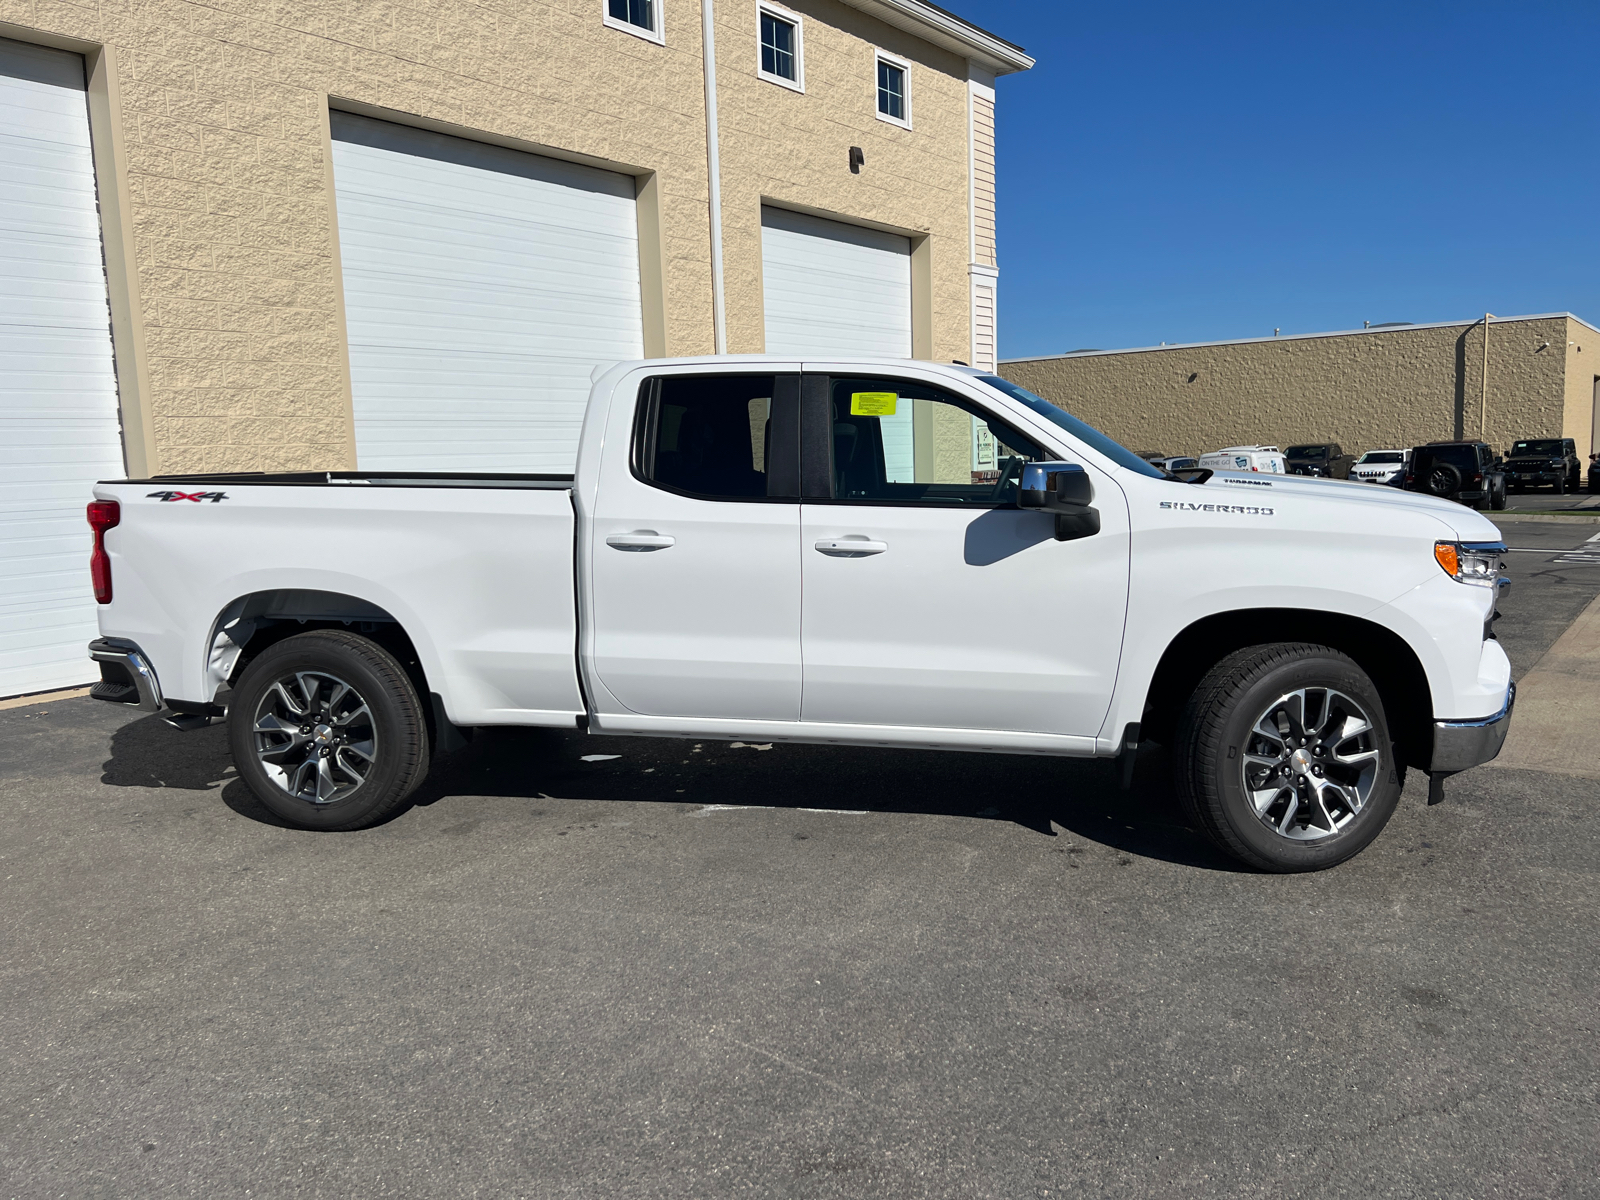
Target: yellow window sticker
x=873 y=404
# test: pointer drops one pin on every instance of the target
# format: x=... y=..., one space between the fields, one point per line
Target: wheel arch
x=251 y=623
x=1386 y=657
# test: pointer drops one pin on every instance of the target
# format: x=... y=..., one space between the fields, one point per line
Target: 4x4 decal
x=166 y=497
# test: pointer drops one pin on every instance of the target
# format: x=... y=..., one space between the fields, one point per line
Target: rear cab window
x=719 y=437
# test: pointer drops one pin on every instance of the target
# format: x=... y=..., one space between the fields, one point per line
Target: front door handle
x=640 y=540
x=849 y=547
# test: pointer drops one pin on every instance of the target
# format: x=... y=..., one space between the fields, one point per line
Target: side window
x=715 y=437
x=899 y=442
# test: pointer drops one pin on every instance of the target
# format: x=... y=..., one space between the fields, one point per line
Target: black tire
x=1497 y=498
x=394 y=729
x=1444 y=480
x=1215 y=733
x=1559 y=487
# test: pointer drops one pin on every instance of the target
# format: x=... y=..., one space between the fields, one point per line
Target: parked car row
x=1468 y=472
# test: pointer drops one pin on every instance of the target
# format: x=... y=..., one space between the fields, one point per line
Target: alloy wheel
x=315 y=736
x=1311 y=763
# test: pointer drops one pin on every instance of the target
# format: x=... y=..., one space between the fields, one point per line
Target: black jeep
x=1318 y=458
x=1466 y=472
x=1544 y=462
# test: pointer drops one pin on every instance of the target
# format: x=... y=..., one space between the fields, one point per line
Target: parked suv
x=1594 y=472
x=1544 y=462
x=1466 y=472
x=1327 y=459
x=1380 y=466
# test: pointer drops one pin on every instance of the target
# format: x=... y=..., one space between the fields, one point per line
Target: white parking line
x=838 y=812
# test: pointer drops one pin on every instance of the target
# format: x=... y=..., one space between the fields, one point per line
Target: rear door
x=695 y=551
x=930 y=598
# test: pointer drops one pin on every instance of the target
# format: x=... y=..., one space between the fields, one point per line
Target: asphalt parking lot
x=715 y=970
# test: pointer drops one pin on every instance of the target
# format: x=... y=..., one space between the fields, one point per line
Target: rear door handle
x=640 y=540
x=849 y=547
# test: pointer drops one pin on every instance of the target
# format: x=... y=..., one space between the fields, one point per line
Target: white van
x=1268 y=460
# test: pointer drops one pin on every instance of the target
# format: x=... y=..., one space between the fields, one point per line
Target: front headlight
x=1471 y=562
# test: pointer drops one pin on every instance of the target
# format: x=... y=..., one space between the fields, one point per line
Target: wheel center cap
x=1300 y=760
x=324 y=734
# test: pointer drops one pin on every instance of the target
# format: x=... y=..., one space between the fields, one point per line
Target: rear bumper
x=126 y=676
x=1458 y=745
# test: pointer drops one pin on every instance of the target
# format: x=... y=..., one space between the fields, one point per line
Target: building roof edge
x=1300 y=337
x=945 y=29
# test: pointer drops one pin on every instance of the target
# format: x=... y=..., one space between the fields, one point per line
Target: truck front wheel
x=327 y=731
x=1284 y=758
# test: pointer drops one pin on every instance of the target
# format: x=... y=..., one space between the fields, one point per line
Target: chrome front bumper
x=1458 y=745
x=126 y=676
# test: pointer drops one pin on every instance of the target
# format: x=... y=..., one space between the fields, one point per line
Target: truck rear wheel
x=1284 y=758
x=327 y=731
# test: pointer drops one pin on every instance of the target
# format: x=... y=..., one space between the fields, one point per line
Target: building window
x=641 y=17
x=781 y=58
x=894 y=90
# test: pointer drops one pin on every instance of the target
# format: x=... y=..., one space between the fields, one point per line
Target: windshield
x=1541 y=446
x=1307 y=452
x=1383 y=456
x=1087 y=434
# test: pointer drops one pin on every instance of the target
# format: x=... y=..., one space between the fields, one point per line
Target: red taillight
x=103 y=515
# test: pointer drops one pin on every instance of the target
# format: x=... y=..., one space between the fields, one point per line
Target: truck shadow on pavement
x=1040 y=794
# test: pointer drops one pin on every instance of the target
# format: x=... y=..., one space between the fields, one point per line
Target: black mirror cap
x=1080 y=522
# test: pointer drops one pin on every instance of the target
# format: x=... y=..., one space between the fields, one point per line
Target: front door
x=696 y=551
x=930 y=598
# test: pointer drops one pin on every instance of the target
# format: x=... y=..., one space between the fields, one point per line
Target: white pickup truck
x=873 y=552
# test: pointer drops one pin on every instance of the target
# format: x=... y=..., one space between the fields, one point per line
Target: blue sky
x=1184 y=172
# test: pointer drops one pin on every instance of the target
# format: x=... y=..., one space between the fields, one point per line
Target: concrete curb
x=1576 y=518
x=43 y=698
x=1558 y=709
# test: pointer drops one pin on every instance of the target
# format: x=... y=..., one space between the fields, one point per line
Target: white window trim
x=655 y=35
x=893 y=60
x=798 y=83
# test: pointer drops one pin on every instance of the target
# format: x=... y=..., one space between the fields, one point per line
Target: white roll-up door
x=482 y=287
x=59 y=431
x=833 y=290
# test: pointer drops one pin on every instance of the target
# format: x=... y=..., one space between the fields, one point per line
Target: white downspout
x=719 y=320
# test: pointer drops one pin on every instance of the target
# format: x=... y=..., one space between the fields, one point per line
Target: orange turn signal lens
x=1449 y=557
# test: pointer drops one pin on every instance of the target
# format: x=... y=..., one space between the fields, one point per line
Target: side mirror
x=1064 y=489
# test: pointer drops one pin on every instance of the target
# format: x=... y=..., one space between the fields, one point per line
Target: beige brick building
x=220 y=204
x=389 y=234
x=1390 y=387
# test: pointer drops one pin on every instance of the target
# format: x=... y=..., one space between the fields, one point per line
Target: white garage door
x=58 y=391
x=833 y=290
x=482 y=287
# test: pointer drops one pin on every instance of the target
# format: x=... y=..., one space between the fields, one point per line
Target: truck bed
x=478 y=570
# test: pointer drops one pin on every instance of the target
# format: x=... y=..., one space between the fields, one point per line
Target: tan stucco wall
x=219 y=114
x=793 y=150
x=1386 y=388
x=1583 y=371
